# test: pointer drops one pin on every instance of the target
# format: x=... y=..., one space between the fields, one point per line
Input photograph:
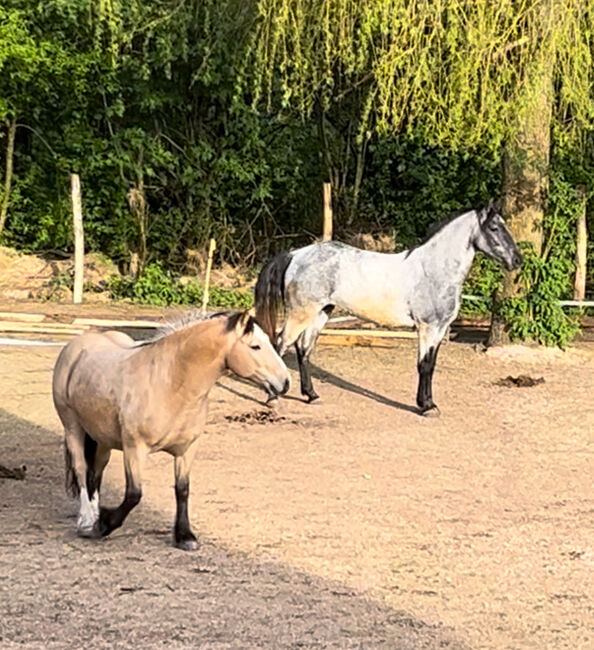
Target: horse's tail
x=71 y=483
x=270 y=293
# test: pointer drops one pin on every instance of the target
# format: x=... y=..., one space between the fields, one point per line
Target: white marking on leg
x=95 y=505
x=86 y=516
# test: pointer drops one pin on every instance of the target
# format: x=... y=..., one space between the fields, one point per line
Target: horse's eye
x=493 y=227
x=255 y=347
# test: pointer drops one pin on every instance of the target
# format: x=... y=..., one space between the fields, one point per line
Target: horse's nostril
x=287 y=385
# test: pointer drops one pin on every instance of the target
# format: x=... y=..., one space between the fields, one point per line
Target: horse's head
x=252 y=356
x=494 y=239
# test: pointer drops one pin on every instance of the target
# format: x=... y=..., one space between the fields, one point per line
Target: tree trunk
x=79 y=241
x=360 y=167
x=327 y=220
x=12 y=126
x=581 y=252
x=525 y=183
x=138 y=207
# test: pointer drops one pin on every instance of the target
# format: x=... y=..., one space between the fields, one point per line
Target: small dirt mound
x=258 y=417
x=521 y=381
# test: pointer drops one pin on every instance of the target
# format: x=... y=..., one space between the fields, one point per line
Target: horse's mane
x=438 y=226
x=192 y=318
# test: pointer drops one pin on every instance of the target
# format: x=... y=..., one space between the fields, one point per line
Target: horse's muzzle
x=516 y=261
x=275 y=391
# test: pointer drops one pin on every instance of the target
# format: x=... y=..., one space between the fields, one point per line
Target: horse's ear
x=245 y=323
x=489 y=211
x=493 y=209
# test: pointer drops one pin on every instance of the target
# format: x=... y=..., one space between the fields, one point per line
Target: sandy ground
x=349 y=523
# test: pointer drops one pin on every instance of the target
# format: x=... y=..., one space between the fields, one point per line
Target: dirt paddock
x=349 y=523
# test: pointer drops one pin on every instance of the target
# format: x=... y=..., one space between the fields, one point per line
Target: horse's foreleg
x=430 y=338
x=183 y=536
x=112 y=518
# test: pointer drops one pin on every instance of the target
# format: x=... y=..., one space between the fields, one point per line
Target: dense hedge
x=144 y=104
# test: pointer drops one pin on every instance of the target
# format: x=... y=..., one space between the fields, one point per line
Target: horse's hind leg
x=304 y=347
x=183 y=536
x=76 y=461
x=112 y=518
x=95 y=474
x=296 y=323
x=430 y=337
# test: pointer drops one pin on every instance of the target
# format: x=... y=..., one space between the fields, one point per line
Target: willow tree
x=464 y=73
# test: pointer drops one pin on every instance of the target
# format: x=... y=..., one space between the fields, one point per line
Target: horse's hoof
x=311 y=397
x=187 y=544
x=86 y=531
x=104 y=525
x=432 y=412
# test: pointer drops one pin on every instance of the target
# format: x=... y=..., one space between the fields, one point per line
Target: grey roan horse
x=421 y=287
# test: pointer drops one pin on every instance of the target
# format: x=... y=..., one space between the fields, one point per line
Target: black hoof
x=104 y=525
x=311 y=397
x=430 y=412
x=186 y=541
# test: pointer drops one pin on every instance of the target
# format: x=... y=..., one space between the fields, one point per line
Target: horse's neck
x=449 y=253
x=203 y=357
x=195 y=358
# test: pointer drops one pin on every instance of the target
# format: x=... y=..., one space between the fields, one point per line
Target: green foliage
x=411 y=103
x=140 y=95
x=410 y=185
x=536 y=314
x=157 y=286
x=460 y=70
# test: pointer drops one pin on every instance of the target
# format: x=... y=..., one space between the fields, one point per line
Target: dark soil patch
x=521 y=381
x=259 y=417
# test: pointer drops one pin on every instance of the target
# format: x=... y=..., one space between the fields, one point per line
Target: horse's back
x=370 y=284
x=87 y=345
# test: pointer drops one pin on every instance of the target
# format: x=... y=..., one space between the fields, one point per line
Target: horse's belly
x=172 y=427
x=384 y=310
x=106 y=433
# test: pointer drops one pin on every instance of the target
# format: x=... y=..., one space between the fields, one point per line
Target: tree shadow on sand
x=134 y=590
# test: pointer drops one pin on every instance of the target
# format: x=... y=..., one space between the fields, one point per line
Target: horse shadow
x=330 y=378
x=324 y=376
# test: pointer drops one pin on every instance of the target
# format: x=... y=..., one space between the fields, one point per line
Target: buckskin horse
x=113 y=393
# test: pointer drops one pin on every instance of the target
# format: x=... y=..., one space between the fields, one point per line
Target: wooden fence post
x=211 y=250
x=327 y=231
x=581 y=252
x=79 y=241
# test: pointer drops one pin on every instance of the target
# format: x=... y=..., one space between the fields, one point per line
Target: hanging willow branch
x=456 y=69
